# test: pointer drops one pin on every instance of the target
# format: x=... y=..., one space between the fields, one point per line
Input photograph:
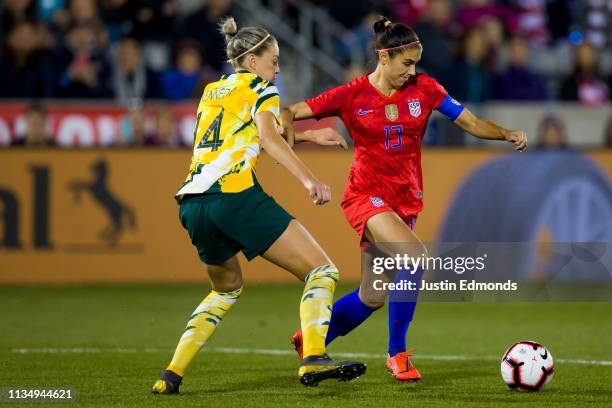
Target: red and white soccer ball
x=527 y=366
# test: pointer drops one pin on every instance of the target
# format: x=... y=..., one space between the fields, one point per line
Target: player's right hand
x=518 y=138
x=319 y=192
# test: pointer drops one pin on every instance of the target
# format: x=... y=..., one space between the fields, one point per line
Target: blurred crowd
x=168 y=49
x=123 y=49
x=501 y=49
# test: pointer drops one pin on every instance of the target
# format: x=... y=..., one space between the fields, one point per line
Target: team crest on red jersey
x=415 y=107
x=391 y=111
x=377 y=201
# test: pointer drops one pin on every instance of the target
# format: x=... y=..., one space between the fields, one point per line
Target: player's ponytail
x=393 y=37
x=247 y=40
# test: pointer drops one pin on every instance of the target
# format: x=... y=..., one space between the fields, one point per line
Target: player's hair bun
x=228 y=28
x=381 y=24
x=241 y=42
x=393 y=37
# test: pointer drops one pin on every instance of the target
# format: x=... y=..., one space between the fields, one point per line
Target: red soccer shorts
x=359 y=208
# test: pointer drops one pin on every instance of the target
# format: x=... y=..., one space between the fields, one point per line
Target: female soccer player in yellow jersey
x=224 y=209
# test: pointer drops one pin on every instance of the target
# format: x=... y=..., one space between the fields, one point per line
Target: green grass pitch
x=110 y=343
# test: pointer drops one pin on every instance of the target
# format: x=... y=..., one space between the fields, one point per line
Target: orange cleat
x=401 y=367
x=296 y=340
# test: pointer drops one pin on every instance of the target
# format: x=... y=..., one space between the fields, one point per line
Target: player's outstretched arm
x=323 y=137
x=486 y=129
x=276 y=147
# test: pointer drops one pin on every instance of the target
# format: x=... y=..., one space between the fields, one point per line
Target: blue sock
x=401 y=312
x=348 y=312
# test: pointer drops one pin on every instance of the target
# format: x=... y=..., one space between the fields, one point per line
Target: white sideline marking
x=278 y=352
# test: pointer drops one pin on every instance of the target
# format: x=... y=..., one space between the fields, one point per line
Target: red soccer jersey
x=387 y=133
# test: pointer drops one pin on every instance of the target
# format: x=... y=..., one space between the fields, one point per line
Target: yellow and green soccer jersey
x=226 y=141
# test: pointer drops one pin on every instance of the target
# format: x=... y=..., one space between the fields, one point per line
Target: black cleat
x=315 y=369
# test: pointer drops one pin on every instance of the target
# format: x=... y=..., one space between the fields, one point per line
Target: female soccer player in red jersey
x=386 y=114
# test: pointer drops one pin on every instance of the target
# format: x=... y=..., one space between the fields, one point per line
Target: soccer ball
x=527 y=366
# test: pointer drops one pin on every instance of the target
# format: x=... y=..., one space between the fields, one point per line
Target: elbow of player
x=266 y=138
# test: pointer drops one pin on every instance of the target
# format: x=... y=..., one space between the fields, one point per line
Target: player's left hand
x=518 y=138
x=326 y=137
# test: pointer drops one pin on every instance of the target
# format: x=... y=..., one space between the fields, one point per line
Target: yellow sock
x=201 y=326
x=316 y=306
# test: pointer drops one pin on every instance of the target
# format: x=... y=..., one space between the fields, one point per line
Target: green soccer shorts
x=221 y=224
